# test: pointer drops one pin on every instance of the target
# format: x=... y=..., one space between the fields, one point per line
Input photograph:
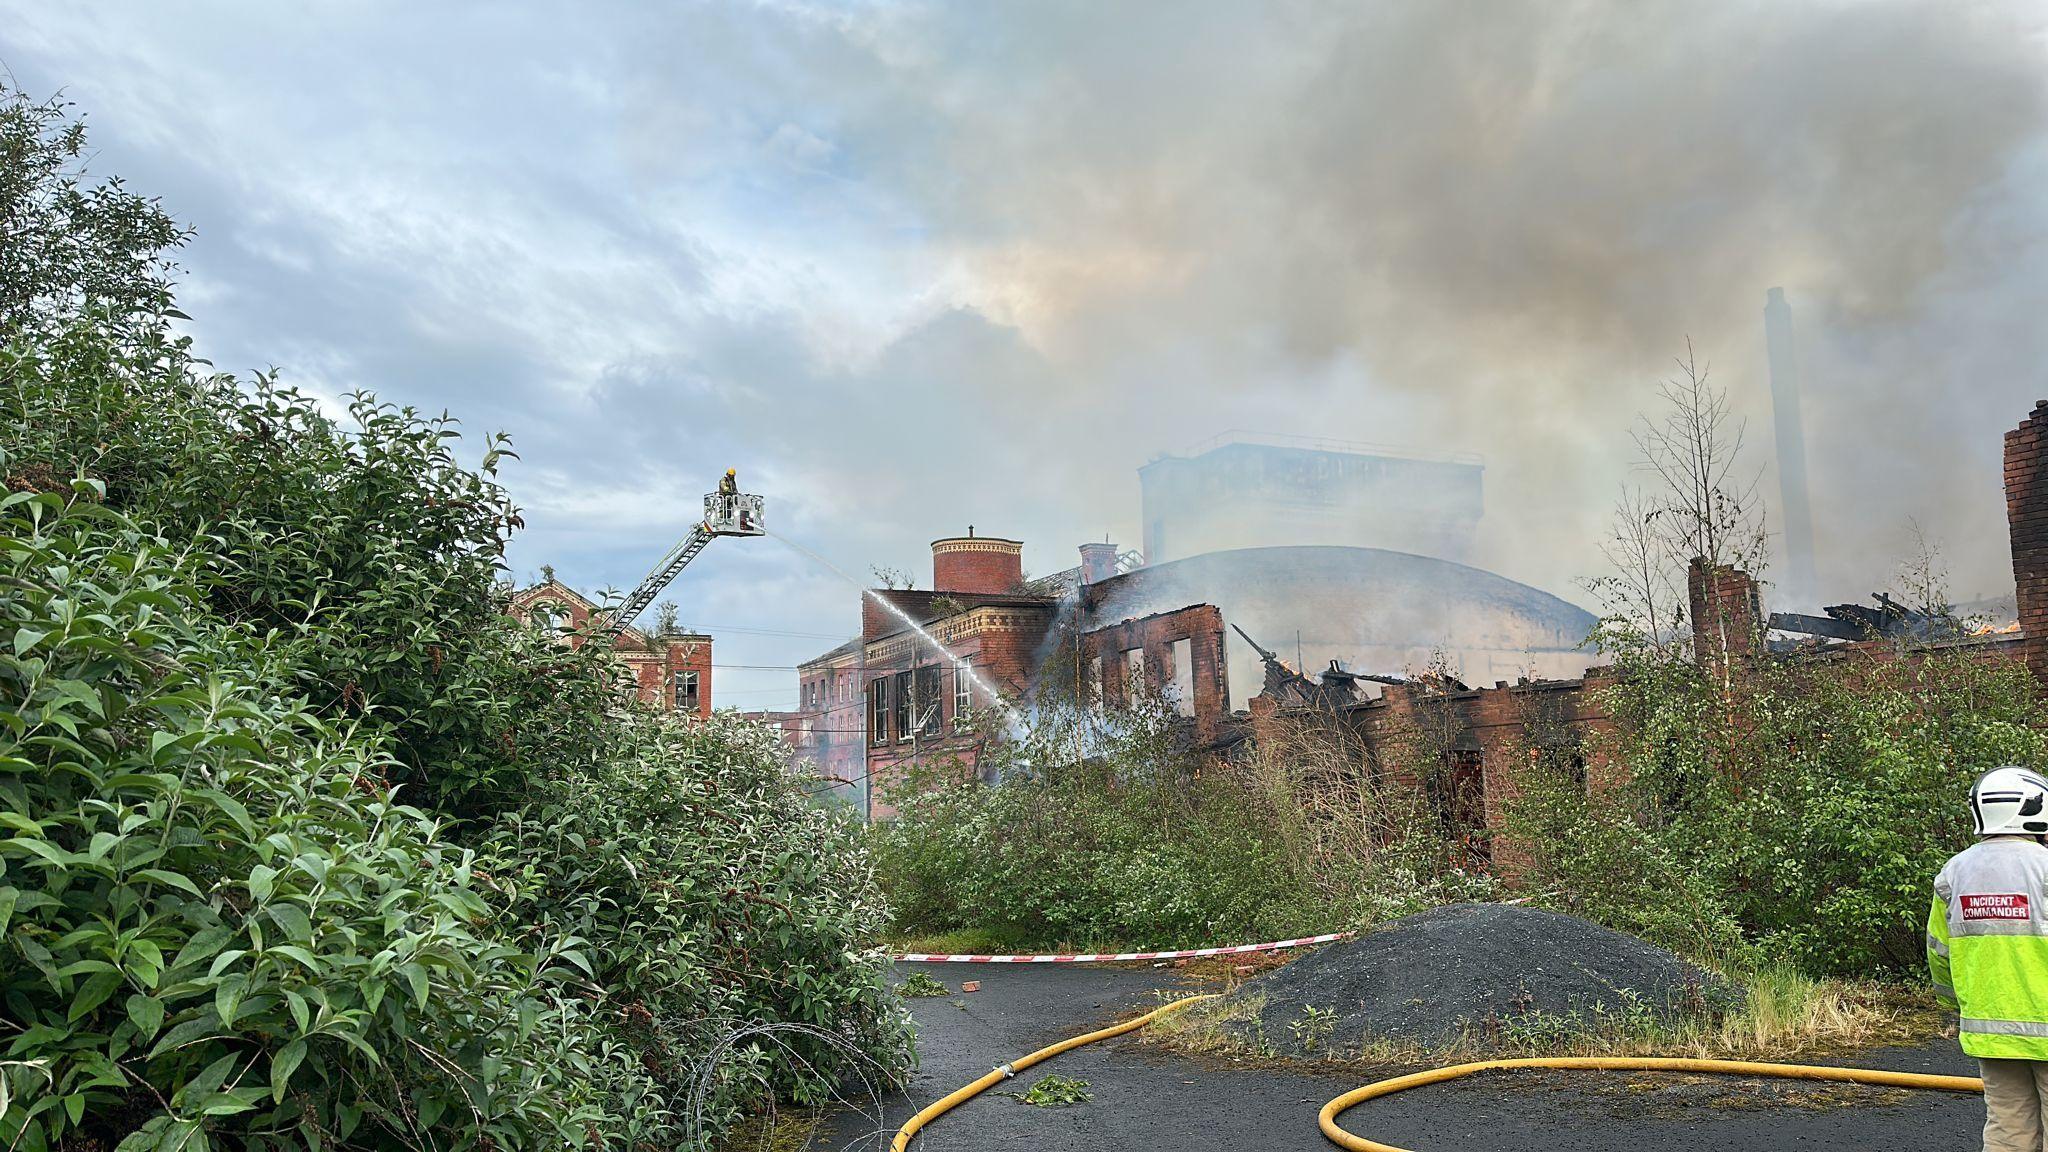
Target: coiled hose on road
x=1355 y=1143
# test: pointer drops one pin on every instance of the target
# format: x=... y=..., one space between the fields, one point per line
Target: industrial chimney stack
x=1801 y=586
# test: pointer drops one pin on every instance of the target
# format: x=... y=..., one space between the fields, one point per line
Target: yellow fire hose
x=1354 y=1143
x=1003 y=1072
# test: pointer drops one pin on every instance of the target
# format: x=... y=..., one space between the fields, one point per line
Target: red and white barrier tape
x=1095 y=957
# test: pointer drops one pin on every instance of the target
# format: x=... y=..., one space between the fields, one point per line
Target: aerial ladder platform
x=725 y=514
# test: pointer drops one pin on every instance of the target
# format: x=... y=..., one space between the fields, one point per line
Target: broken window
x=686 y=691
x=1458 y=793
x=925 y=696
x=1134 y=674
x=1092 y=691
x=1180 y=659
x=905 y=684
x=963 y=690
x=878 y=711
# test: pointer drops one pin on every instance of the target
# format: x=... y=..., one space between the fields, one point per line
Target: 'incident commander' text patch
x=1995 y=906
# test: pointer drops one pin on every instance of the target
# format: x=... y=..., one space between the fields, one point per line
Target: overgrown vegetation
x=1763 y=809
x=1109 y=830
x=1752 y=811
x=309 y=844
x=919 y=985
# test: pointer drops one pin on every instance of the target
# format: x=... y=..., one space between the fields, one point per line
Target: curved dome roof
x=1378 y=611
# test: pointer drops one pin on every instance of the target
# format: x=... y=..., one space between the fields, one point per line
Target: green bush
x=238 y=631
x=1803 y=815
x=222 y=924
x=1109 y=831
x=713 y=894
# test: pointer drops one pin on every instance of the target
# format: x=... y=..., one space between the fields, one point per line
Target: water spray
x=1010 y=715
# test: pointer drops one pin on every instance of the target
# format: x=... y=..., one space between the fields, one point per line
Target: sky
x=910 y=267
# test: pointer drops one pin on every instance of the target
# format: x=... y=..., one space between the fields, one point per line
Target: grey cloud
x=921 y=265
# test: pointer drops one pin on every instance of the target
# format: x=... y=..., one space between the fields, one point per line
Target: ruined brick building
x=878 y=706
x=1484 y=735
x=670 y=669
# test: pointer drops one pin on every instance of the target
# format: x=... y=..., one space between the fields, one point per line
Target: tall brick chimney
x=2026 y=517
x=1098 y=562
x=983 y=564
x=1727 y=616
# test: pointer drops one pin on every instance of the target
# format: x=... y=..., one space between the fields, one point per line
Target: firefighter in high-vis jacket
x=1987 y=948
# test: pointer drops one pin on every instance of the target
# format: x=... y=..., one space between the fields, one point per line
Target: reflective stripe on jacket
x=1987 y=946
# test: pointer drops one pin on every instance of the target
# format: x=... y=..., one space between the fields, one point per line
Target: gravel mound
x=1488 y=970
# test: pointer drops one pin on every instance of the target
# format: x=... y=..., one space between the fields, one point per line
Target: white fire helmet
x=2010 y=801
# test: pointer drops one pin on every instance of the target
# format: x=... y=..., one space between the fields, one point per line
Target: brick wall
x=651 y=663
x=1000 y=639
x=1201 y=625
x=1727 y=616
x=1098 y=562
x=985 y=564
x=2026 y=512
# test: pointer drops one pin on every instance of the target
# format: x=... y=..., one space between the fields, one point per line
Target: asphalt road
x=1146 y=1100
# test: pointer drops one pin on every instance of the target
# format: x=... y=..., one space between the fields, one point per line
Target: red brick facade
x=2026 y=511
x=672 y=671
x=927 y=706
x=878 y=708
x=1727 y=616
x=981 y=564
x=1156 y=646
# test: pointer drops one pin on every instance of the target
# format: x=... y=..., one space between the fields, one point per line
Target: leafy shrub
x=221 y=923
x=713 y=895
x=1056 y=1091
x=1134 y=842
x=371 y=552
x=1802 y=816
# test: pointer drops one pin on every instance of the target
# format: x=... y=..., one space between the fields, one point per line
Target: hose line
x=1003 y=1072
x=1354 y=1143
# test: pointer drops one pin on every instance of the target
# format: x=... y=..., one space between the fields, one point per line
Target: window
x=1094 y=686
x=547 y=615
x=1181 y=657
x=1134 y=674
x=926 y=699
x=686 y=692
x=878 y=711
x=905 y=685
x=963 y=690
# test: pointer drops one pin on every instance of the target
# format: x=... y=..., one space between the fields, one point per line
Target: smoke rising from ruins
x=1498 y=225
x=914 y=266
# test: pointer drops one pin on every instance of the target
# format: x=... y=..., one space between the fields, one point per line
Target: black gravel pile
x=1484 y=970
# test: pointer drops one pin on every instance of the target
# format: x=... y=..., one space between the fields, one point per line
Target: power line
x=773 y=632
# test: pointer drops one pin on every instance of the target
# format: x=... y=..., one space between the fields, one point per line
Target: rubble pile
x=1484 y=971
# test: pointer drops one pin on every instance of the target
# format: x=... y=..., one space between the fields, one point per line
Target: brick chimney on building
x=2026 y=516
x=1098 y=562
x=986 y=565
x=1727 y=615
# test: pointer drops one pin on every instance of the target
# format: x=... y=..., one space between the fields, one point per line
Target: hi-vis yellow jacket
x=1987 y=946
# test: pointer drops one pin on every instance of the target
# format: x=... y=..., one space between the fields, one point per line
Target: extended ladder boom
x=664 y=574
x=725 y=514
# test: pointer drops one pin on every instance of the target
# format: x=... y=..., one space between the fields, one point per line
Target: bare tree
x=1707 y=509
x=1642 y=605
x=1700 y=505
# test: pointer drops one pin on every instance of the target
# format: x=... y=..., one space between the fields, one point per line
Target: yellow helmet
x=731 y=472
